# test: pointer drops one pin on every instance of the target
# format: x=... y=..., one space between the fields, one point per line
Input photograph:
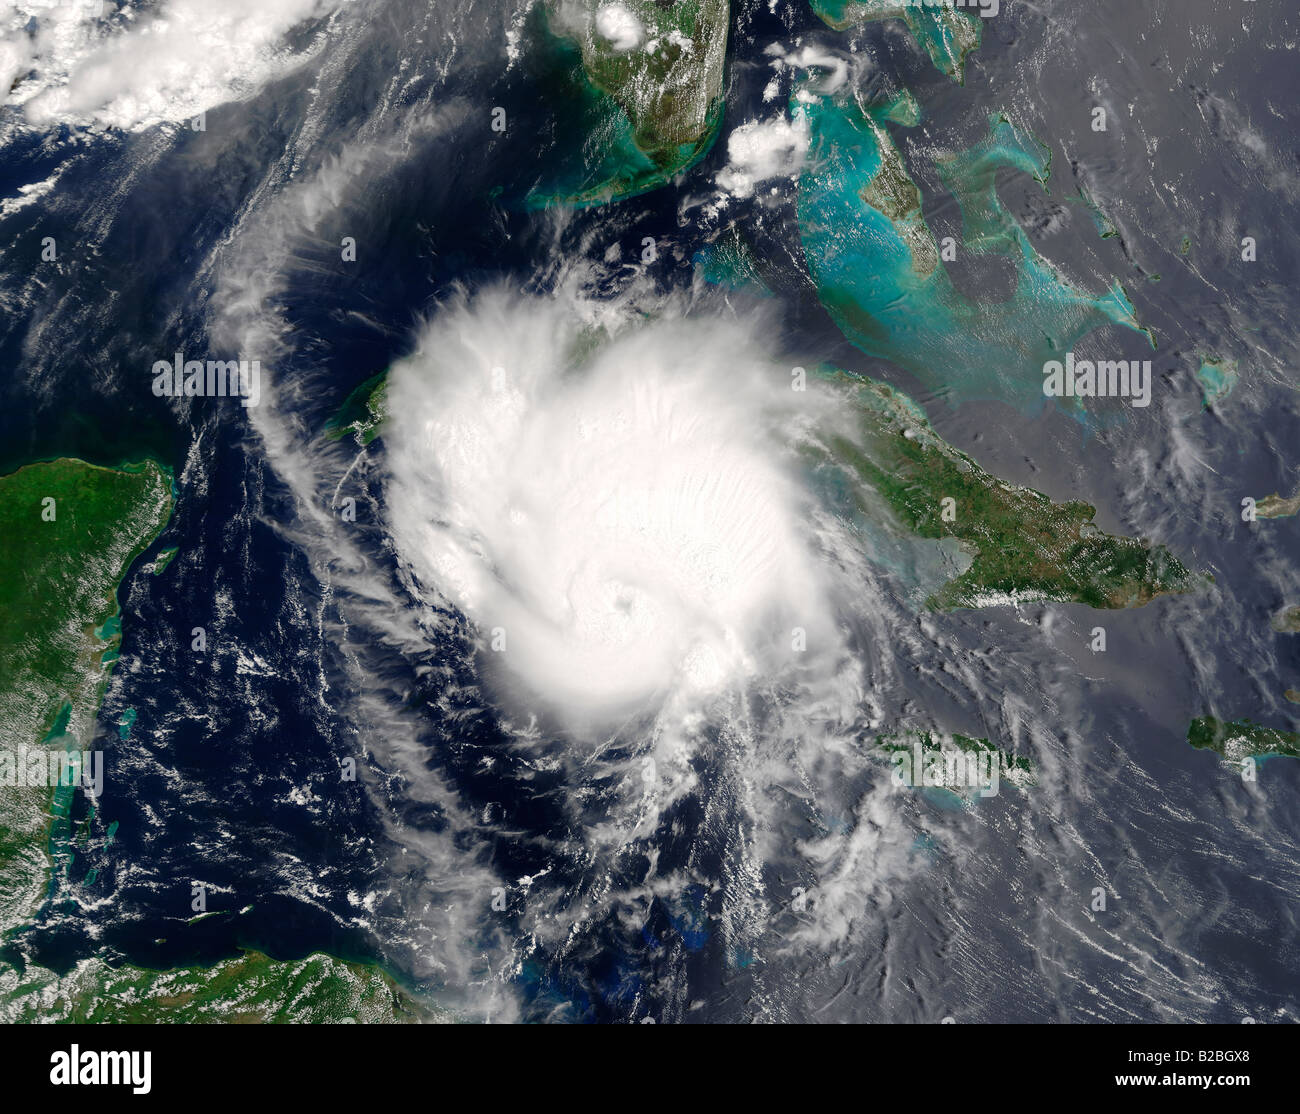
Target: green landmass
x=645 y=113
x=68 y=533
x=1292 y=695
x=361 y=413
x=1242 y=739
x=947 y=34
x=936 y=760
x=892 y=193
x=1023 y=547
x=250 y=989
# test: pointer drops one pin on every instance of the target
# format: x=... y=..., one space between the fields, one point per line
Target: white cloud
x=762 y=150
x=142 y=68
x=832 y=69
x=629 y=529
x=619 y=27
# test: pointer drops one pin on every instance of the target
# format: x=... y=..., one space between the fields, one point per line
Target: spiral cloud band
x=615 y=507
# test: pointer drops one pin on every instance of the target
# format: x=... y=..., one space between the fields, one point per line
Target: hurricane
x=617 y=506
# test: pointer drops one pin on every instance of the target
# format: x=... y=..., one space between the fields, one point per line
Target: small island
x=1274 y=506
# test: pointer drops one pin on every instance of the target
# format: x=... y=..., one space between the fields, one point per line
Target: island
x=250 y=988
x=1023 y=547
x=1242 y=739
x=1217 y=379
x=1275 y=506
x=960 y=766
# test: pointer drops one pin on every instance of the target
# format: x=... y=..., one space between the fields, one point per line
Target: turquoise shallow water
x=880 y=277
